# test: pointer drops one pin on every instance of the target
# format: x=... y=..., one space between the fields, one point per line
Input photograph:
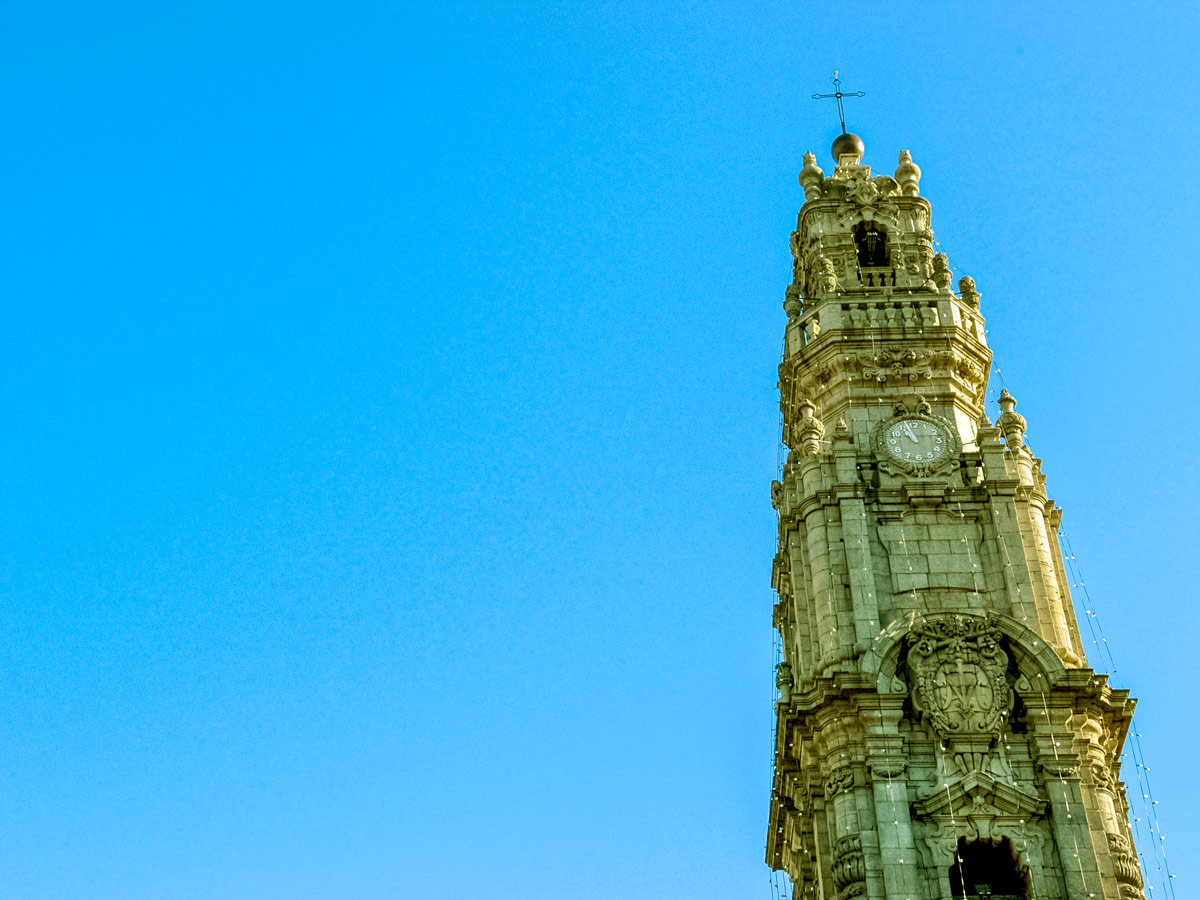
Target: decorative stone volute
x=908 y=174
x=811 y=177
x=1010 y=423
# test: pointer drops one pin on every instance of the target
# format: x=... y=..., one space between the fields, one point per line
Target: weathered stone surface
x=936 y=717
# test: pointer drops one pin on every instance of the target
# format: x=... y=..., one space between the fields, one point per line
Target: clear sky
x=389 y=410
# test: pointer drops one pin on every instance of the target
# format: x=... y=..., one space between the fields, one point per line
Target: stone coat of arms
x=959 y=676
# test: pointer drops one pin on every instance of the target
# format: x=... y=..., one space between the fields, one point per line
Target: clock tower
x=939 y=732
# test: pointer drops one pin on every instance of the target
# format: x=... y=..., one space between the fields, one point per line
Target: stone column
x=1069 y=819
x=1053 y=520
x=1109 y=832
x=846 y=837
x=1048 y=580
x=820 y=578
x=895 y=874
x=856 y=533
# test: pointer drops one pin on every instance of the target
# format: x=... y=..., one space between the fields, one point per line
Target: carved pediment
x=980 y=794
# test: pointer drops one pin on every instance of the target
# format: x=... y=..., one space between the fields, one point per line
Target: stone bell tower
x=939 y=732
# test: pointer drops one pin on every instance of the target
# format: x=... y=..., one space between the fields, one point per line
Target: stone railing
x=877 y=277
x=890 y=314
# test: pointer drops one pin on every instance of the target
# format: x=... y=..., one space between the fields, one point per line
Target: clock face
x=916 y=442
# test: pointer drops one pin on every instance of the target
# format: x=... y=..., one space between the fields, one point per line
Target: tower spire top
x=838 y=94
x=924 y=613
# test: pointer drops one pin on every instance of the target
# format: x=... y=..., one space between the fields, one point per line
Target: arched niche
x=1033 y=657
x=871 y=243
x=988 y=869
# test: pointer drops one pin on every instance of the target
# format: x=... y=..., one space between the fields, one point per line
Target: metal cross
x=838 y=94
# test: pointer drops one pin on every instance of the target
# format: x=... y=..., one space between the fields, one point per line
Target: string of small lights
x=1146 y=824
x=1061 y=771
x=1133 y=744
x=1022 y=608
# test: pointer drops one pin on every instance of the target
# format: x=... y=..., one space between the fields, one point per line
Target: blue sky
x=389 y=400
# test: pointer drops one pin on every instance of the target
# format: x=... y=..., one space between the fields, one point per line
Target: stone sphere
x=847 y=145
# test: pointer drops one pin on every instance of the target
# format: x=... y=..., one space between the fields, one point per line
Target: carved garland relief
x=888 y=769
x=890 y=367
x=841 y=779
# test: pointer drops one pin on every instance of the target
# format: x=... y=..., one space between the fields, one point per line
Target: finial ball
x=848 y=145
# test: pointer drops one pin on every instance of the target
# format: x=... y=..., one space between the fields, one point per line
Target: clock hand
x=908 y=430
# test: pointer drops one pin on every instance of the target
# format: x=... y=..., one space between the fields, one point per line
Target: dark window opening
x=987 y=869
x=871 y=239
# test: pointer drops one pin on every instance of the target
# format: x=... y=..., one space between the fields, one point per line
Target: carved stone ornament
x=937 y=840
x=958 y=669
x=887 y=185
x=1102 y=779
x=887 y=368
x=877 y=209
x=1011 y=423
x=896 y=366
x=811 y=177
x=887 y=768
x=849 y=869
x=862 y=190
x=972 y=375
x=1060 y=768
x=941 y=272
x=823 y=280
x=784 y=681
x=841 y=779
x=808 y=430
x=793 y=304
x=935 y=444
x=1125 y=866
x=966 y=287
